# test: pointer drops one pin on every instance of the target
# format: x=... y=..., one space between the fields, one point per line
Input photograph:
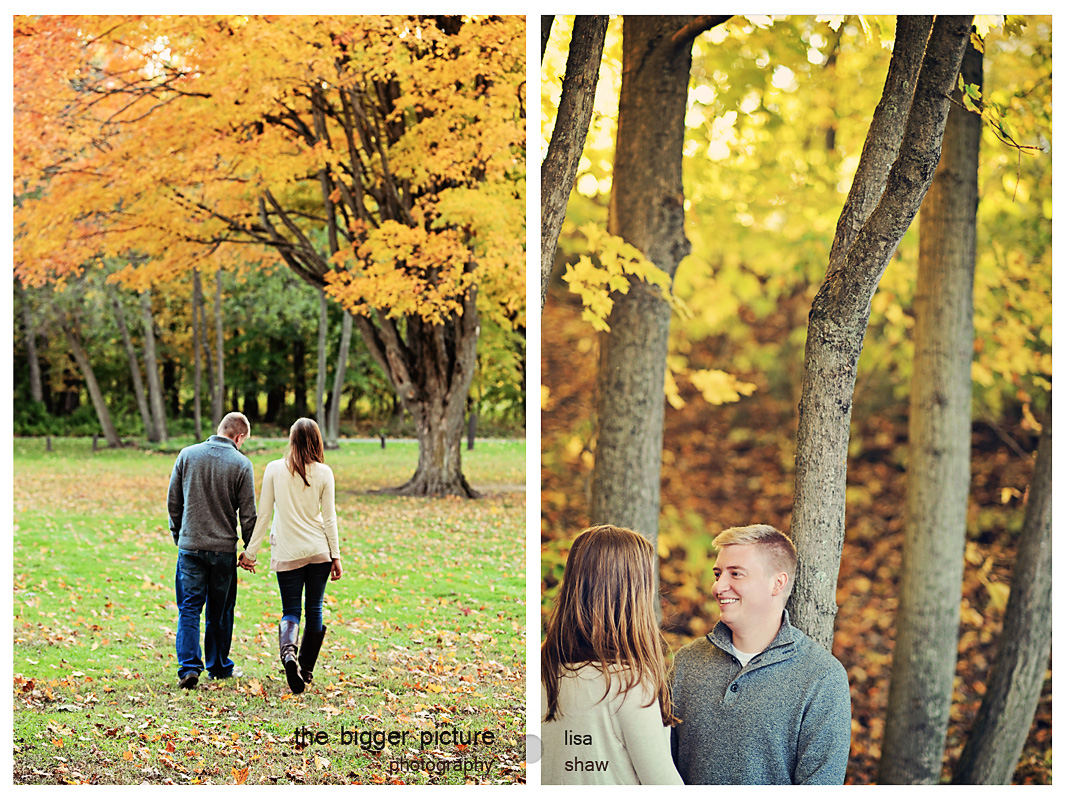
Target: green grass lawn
x=425 y=642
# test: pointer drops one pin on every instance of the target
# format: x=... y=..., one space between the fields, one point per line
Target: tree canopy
x=382 y=158
x=399 y=138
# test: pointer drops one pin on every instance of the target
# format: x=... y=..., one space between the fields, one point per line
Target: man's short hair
x=233 y=425
x=777 y=547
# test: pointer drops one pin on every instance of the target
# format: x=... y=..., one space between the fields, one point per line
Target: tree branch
x=568 y=136
x=546 y=31
x=697 y=26
x=885 y=132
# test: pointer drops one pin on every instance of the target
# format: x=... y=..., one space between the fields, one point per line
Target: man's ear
x=781 y=581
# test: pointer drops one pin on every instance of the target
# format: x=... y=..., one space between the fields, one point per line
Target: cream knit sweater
x=304 y=526
x=595 y=739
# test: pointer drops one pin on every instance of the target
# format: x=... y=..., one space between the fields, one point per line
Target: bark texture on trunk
x=939 y=460
x=837 y=324
x=1014 y=687
x=431 y=367
x=91 y=384
x=647 y=210
x=568 y=136
x=151 y=368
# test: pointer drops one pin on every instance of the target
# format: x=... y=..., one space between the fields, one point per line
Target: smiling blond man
x=760 y=702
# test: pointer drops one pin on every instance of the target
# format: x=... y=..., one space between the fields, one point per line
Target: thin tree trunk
x=320 y=380
x=333 y=423
x=102 y=414
x=939 y=459
x=135 y=368
x=546 y=31
x=219 y=401
x=1007 y=711
x=646 y=210
x=197 y=422
x=838 y=322
x=30 y=330
x=155 y=393
x=568 y=136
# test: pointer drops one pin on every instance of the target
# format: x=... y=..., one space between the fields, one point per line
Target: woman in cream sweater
x=304 y=550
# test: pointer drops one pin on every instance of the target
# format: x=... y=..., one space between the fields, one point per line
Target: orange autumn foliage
x=382 y=157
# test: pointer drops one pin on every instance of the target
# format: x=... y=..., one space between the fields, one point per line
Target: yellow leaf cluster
x=616 y=263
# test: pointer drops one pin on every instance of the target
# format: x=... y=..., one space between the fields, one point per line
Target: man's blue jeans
x=205 y=580
x=309 y=580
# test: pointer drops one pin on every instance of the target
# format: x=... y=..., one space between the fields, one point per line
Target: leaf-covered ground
x=425 y=642
x=733 y=465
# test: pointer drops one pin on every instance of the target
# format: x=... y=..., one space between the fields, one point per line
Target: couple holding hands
x=755 y=701
x=211 y=485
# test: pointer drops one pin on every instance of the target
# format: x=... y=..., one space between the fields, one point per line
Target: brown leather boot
x=309 y=652
x=287 y=634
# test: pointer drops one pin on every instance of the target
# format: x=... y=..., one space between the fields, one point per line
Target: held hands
x=244 y=562
x=335 y=570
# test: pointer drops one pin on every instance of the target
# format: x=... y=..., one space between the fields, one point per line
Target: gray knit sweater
x=785 y=718
x=211 y=483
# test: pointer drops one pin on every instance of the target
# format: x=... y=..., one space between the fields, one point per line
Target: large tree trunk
x=219 y=398
x=1007 y=711
x=839 y=314
x=135 y=367
x=646 y=210
x=939 y=459
x=155 y=393
x=320 y=379
x=431 y=368
x=333 y=415
x=568 y=136
x=30 y=332
x=197 y=322
x=76 y=350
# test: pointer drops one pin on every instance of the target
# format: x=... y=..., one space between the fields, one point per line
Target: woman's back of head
x=305 y=447
x=605 y=613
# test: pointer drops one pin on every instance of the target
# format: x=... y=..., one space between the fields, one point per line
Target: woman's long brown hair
x=605 y=615
x=305 y=447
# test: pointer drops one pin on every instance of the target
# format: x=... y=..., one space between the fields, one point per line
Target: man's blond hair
x=778 y=548
x=233 y=425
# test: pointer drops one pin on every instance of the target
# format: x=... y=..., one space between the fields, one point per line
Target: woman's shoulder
x=625 y=686
x=617 y=673
x=322 y=470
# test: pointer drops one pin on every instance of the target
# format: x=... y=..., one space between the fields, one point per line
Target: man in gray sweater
x=211 y=484
x=760 y=702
